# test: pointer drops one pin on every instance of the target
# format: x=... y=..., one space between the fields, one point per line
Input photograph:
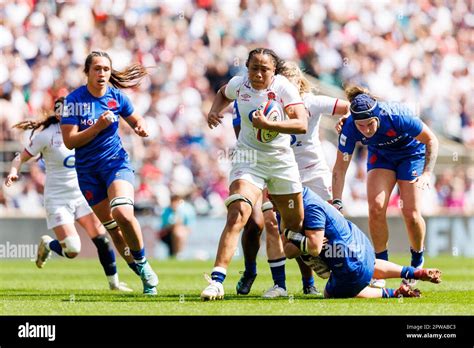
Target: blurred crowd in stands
x=420 y=52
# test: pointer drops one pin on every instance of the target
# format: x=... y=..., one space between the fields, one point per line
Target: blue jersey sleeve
x=69 y=115
x=347 y=138
x=236 y=115
x=314 y=218
x=408 y=124
x=126 y=107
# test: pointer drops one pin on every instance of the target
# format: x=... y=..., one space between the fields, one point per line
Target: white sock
x=113 y=279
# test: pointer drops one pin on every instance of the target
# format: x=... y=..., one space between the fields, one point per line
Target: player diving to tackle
x=348 y=254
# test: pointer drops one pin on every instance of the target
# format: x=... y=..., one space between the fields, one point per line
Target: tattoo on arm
x=431 y=154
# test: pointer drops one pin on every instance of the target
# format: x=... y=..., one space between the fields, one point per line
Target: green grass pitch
x=78 y=287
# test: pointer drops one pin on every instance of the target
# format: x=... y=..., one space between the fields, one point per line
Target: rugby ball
x=273 y=112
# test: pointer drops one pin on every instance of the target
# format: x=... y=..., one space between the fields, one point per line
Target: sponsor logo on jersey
x=245 y=97
x=70 y=161
x=88 y=122
x=414 y=173
x=342 y=140
x=391 y=141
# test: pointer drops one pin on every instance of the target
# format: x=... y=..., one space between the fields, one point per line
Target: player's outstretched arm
x=19 y=159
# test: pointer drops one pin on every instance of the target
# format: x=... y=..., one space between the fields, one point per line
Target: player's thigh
x=246 y=189
x=380 y=184
x=410 y=196
x=290 y=207
x=102 y=210
x=91 y=225
x=239 y=208
x=64 y=231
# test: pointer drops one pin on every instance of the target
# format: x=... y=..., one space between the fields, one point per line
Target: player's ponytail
x=292 y=72
x=45 y=123
x=353 y=91
x=130 y=77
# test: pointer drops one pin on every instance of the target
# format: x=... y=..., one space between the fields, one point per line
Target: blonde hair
x=292 y=72
x=353 y=91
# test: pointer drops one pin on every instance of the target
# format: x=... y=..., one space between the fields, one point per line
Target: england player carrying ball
x=273 y=165
x=314 y=173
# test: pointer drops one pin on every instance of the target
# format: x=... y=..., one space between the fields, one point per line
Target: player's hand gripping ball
x=272 y=111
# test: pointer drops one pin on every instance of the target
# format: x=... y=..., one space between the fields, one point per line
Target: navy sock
x=408 y=272
x=416 y=257
x=139 y=255
x=307 y=282
x=383 y=255
x=56 y=247
x=250 y=268
x=278 y=272
x=218 y=274
x=388 y=293
x=106 y=255
x=134 y=268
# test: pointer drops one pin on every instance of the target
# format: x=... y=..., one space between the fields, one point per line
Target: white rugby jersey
x=307 y=147
x=248 y=100
x=61 y=185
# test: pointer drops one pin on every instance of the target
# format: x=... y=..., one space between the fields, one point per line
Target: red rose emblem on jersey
x=391 y=133
x=271 y=95
x=112 y=104
x=89 y=195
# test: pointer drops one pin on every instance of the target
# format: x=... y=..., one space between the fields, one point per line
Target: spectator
x=177 y=220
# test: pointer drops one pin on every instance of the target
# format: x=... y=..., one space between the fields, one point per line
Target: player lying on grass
x=348 y=254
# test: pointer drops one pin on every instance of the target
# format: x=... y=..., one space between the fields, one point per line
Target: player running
x=269 y=163
x=63 y=200
x=403 y=151
x=314 y=173
x=90 y=125
x=348 y=254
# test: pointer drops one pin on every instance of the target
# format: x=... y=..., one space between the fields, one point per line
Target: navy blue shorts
x=94 y=185
x=352 y=282
x=408 y=168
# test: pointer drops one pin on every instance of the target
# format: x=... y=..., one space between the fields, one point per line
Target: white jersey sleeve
x=287 y=91
x=37 y=144
x=320 y=104
x=233 y=87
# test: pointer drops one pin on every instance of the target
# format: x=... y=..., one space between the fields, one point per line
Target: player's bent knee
x=267 y=206
x=121 y=201
x=237 y=197
x=71 y=246
x=237 y=216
